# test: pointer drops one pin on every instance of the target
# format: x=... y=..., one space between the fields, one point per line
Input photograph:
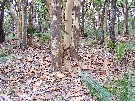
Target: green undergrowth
x=95 y=89
x=6 y=54
x=45 y=37
x=114 y=90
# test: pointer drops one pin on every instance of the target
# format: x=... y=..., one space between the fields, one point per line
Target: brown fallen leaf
x=80 y=98
x=29 y=59
x=84 y=67
x=60 y=75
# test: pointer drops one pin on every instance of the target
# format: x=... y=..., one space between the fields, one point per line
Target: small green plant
x=95 y=88
x=46 y=38
x=112 y=46
x=39 y=35
x=120 y=51
x=121 y=89
x=31 y=30
x=132 y=87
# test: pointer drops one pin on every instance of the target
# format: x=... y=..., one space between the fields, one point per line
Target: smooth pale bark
x=24 y=25
x=76 y=29
x=125 y=17
x=2 y=34
x=55 y=36
x=68 y=24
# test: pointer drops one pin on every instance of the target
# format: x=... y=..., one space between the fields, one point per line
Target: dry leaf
x=60 y=75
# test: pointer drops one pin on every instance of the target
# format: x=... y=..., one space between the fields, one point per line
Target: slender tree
x=112 y=20
x=2 y=34
x=83 y=20
x=102 y=24
x=24 y=29
x=14 y=16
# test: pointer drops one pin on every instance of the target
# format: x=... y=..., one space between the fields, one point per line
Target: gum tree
x=55 y=22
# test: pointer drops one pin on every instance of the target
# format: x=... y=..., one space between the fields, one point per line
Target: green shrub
x=95 y=89
x=120 y=51
x=39 y=35
x=46 y=38
x=121 y=89
x=31 y=30
x=111 y=46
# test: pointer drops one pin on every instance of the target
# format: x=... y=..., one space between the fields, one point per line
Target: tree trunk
x=17 y=19
x=106 y=16
x=2 y=34
x=83 y=34
x=55 y=36
x=125 y=17
x=94 y=19
x=102 y=24
x=13 y=30
x=68 y=24
x=24 y=22
x=112 y=20
x=76 y=29
x=118 y=24
x=133 y=24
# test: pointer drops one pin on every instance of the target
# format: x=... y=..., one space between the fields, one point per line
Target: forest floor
x=24 y=75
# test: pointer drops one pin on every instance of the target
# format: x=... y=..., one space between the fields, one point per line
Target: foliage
x=120 y=51
x=132 y=87
x=131 y=46
x=31 y=30
x=6 y=54
x=112 y=46
x=95 y=88
x=44 y=37
x=121 y=89
x=4 y=57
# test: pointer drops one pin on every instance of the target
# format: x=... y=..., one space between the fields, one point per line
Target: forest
x=67 y=50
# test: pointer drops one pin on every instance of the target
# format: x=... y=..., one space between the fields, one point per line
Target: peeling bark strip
x=55 y=36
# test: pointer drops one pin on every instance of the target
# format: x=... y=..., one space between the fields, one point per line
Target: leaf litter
x=28 y=78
